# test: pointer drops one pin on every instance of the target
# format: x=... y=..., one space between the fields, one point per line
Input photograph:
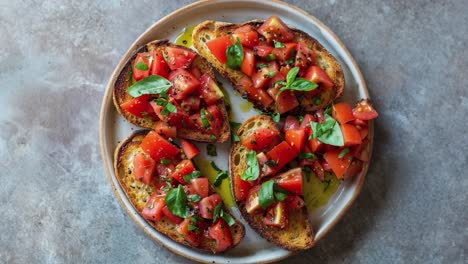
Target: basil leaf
x=153 y=84
x=220 y=177
x=343 y=153
x=306 y=155
x=328 y=132
x=253 y=168
x=301 y=84
x=277 y=117
x=271 y=163
x=278 y=44
x=217 y=211
x=213 y=165
x=267 y=196
x=261 y=65
x=193 y=175
x=235 y=55
x=272 y=74
x=165 y=161
x=205 y=121
x=234 y=127
x=228 y=218
x=213 y=137
x=211 y=150
x=291 y=76
x=290 y=61
x=168 y=107
x=270 y=57
x=280 y=193
x=194 y=198
x=176 y=201
x=194 y=228
x=142 y=66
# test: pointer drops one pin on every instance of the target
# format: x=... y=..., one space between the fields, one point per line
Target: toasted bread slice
x=138 y=193
x=210 y=30
x=120 y=96
x=299 y=235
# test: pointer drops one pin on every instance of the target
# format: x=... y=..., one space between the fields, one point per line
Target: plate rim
x=107 y=99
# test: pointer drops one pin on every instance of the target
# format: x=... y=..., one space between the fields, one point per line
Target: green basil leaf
x=328 y=132
x=194 y=228
x=213 y=137
x=211 y=150
x=291 y=76
x=194 y=198
x=301 y=84
x=217 y=212
x=228 y=218
x=317 y=100
x=165 y=161
x=261 y=65
x=306 y=155
x=343 y=153
x=192 y=175
x=277 y=117
x=280 y=193
x=213 y=165
x=290 y=61
x=142 y=66
x=153 y=84
x=272 y=74
x=278 y=44
x=176 y=201
x=204 y=119
x=220 y=177
x=234 y=127
x=267 y=196
x=270 y=57
x=253 y=168
x=235 y=55
x=168 y=107
x=272 y=163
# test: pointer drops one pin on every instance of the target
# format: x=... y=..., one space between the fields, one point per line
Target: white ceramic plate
x=113 y=128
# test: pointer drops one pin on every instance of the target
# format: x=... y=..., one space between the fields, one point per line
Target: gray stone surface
x=58 y=207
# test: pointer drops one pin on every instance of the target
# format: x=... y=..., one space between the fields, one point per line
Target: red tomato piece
x=210 y=90
x=165 y=130
x=219 y=46
x=316 y=145
x=326 y=166
x=241 y=188
x=285 y=69
x=248 y=64
x=306 y=123
x=364 y=131
x=139 y=106
x=173 y=119
x=291 y=122
x=253 y=200
x=141 y=61
x=183 y=168
x=184 y=83
x=220 y=232
x=354 y=169
x=291 y=180
x=278 y=77
x=208 y=204
x=195 y=71
x=285 y=102
x=247 y=35
x=364 y=110
x=159 y=65
x=305 y=56
x=214 y=117
x=285 y=53
x=153 y=208
x=179 y=58
x=296 y=138
x=144 y=167
x=172 y=217
x=257 y=95
x=191 y=103
x=200 y=186
x=190 y=236
x=319 y=76
x=276 y=215
x=338 y=165
x=158 y=147
x=275 y=29
x=351 y=135
x=261 y=139
x=359 y=122
x=294 y=202
x=189 y=148
x=264 y=74
x=318 y=169
x=282 y=153
x=342 y=112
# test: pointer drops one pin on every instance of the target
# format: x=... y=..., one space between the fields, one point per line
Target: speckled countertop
x=57 y=204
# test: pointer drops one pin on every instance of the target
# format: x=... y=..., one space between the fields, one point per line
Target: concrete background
x=57 y=205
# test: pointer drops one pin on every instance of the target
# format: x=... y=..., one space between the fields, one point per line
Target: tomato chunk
x=276 y=215
x=190 y=236
x=165 y=130
x=179 y=58
x=338 y=165
x=191 y=103
x=248 y=64
x=285 y=53
x=354 y=169
x=364 y=110
x=291 y=180
x=144 y=167
x=189 y=148
x=183 y=168
x=172 y=217
x=282 y=154
x=285 y=102
x=351 y=135
x=291 y=122
x=294 y=202
x=158 y=147
x=241 y=188
x=247 y=35
x=260 y=139
x=219 y=46
x=342 y=112
x=208 y=204
x=262 y=76
x=222 y=234
x=139 y=106
x=253 y=200
x=305 y=56
x=275 y=29
x=184 y=83
x=210 y=90
x=317 y=75
x=159 y=65
x=306 y=123
x=316 y=145
x=141 y=66
x=153 y=208
x=296 y=138
x=200 y=186
x=263 y=51
x=257 y=95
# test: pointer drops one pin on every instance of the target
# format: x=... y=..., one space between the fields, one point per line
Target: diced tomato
x=183 y=168
x=361 y=151
x=291 y=122
x=165 y=130
x=144 y=168
x=214 y=117
x=253 y=200
x=326 y=166
x=141 y=60
x=172 y=217
x=178 y=58
x=153 y=208
x=184 y=83
x=305 y=56
x=200 y=186
x=164 y=171
x=306 y=123
x=294 y=202
x=342 y=112
x=158 y=147
x=260 y=139
x=319 y=76
x=291 y=180
x=190 y=236
x=241 y=188
x=318 y=169
x=282 y=153
x=351 y=135
x=258 y=95
x=364 y=110
x=191 y=103
x=263 y=51
x=219 y=46
x=338 y=165
x=296 y=138
x=359 y=122
x=354 y=169
x=275 y=29
x=320 y=114
x=262 y=76
x=159 y=65
x=285 y=102
x=173 y=119
x=284 y=70
x=278 y=77
x=247 y=35
x=195 y=71
x=210 y=90
x=189 y=148
x=139 y=106
x=364 y=131
x=265 y=170
x=220 y=232
x=248 y=64
x=285 y=53
x=208 y=204
x=316 y=145
x=276 y=215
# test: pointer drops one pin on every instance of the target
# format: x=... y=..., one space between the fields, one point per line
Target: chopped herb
x=153 y=84
x=194 y=198
x=253 y=168
x=219 y=212
x=213 y=137
x=301 y=118
x=220 y=177
x=278 y=44
x=194 y=228
x=205 y=121
x=211 y=150
x=270 y=193
x=142 y=66
x=166 y=161
x=343 y=153
x=271 y=163
x=234 y=127
x=176 y=201
x=167 y=187
x=270 y=57
x=261 y=65
x=290 y=61
x=328 y=132
x=235 y=55
x=317 y=100
x=168 y=107
x=306 y=155
x=276 y=117
x=193 y=175
x=272 y=74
